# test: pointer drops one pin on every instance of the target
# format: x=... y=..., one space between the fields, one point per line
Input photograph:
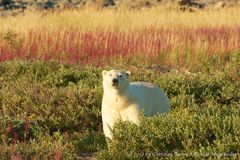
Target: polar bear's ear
x=104 y=72
x=128 y=73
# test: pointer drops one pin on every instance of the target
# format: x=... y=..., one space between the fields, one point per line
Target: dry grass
x=163 y=35
x=91 y=19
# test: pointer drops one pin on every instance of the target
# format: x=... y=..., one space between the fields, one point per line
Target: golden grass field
x=165 y=35
x=91 y=19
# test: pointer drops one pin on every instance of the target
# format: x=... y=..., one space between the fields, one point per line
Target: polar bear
x=125 y=101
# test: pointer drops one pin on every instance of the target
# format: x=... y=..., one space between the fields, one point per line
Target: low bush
x=189 y=133
x=49 y=109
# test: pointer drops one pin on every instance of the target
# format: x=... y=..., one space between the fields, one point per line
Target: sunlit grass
x=160 y=35
x=90 y=19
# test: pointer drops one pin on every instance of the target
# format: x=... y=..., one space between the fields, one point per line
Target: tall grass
x=185 y=46
x=91 y=19
x=90 y=35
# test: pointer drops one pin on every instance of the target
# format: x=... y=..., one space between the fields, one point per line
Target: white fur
x=127 y=100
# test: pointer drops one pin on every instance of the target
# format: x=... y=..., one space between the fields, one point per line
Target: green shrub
x=47 y=107
x=191 y=133
x=40 y=99
x=44 y=147
x=57 y=97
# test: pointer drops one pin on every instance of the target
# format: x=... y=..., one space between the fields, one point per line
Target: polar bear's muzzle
x=115 y=82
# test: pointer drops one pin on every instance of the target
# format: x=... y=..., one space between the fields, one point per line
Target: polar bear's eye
x=120 y=75
x=110 y=75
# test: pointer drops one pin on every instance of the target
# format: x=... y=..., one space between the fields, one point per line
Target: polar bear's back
x=150 y=98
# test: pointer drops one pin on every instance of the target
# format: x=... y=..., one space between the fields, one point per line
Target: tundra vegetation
x=51 y=85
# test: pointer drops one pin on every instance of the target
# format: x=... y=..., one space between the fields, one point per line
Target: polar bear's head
x=115 y=79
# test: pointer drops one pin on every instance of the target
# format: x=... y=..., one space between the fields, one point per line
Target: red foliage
x=90 y=47
x=58 y=153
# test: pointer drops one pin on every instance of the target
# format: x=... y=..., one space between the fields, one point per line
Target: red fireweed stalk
x=58 y=153
x=9 y=128
x=74 y=46
x=26 y=127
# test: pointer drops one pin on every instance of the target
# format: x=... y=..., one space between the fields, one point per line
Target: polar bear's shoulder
x=143 y=84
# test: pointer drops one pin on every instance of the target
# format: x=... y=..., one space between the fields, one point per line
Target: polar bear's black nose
x=115 y=81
